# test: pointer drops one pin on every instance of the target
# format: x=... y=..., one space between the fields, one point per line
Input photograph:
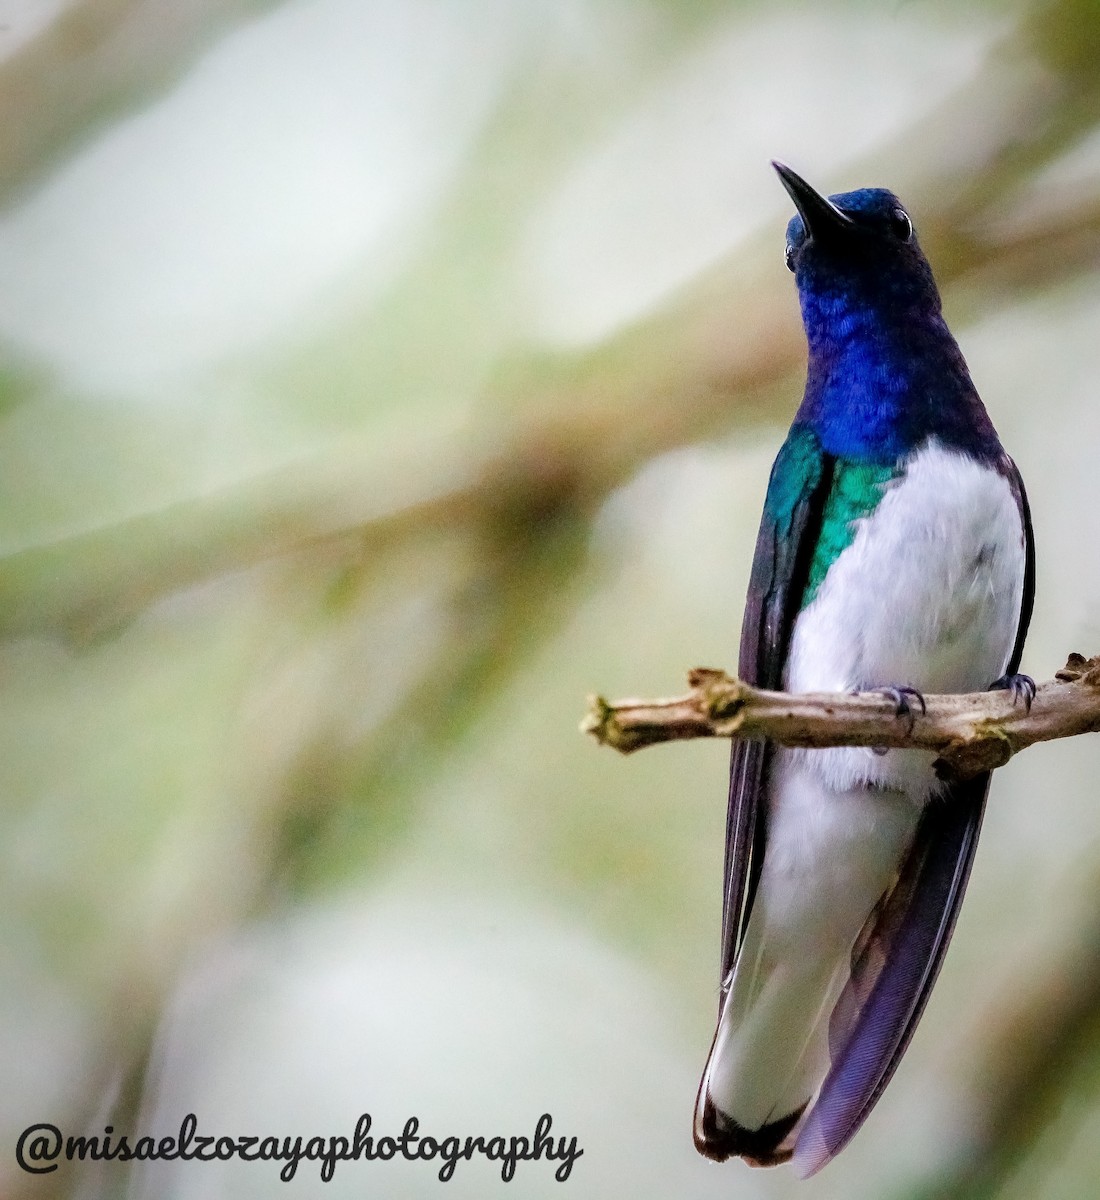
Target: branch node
x=1079 y=669
x=963 y=758
x=721 y=697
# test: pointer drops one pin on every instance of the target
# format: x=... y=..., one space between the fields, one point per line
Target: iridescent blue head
x=884 y=370
x=854 y=251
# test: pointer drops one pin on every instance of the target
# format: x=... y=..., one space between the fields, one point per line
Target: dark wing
x=1010 y=472
x=893 y=972
x=799 y=485
x=896 y=963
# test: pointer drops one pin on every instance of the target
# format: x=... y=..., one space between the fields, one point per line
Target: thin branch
x=96 y=62
x=970 y=733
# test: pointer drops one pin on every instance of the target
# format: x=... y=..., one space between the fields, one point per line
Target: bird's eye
x=788 y=257
x=900 y=225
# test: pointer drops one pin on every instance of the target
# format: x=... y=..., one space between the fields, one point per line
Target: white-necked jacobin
x=895 y=553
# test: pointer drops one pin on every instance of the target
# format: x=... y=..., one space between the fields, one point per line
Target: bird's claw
x=1021 y=686
x=903 y=698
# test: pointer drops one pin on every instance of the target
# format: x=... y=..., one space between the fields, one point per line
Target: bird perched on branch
x=895 y=553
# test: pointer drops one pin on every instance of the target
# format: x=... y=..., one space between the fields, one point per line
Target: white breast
x=927 y=595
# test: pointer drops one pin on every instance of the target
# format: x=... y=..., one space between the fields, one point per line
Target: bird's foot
x=903 y=697
x=1021 y=687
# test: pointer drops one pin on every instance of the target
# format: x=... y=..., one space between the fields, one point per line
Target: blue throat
x=885 y=374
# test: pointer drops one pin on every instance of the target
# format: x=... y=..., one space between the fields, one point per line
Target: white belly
x=927 y=595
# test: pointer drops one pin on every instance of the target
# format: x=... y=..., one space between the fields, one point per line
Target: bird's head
x=855 y=249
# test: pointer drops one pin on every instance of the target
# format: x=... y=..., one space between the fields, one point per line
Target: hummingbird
x=895 y=554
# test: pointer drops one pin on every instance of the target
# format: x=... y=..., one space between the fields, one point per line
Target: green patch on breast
x=856 y=490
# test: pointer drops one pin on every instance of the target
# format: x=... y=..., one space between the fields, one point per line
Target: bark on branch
x=970 y=733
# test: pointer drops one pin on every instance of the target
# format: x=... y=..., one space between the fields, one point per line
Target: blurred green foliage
x=379 y=378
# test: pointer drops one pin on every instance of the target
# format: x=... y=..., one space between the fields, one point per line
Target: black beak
x=821 y=217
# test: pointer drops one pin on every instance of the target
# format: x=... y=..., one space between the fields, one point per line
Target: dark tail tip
x=718 y=1137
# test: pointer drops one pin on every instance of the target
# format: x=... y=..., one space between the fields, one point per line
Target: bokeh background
x=377 y=379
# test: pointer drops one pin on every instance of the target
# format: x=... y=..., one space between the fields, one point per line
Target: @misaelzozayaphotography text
x=41 y=1146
